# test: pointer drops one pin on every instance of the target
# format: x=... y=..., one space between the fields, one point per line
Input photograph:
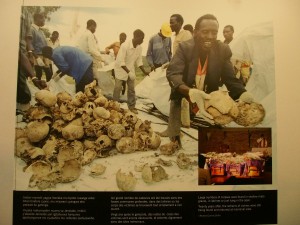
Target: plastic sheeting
x=256 y=44
x=156 y=88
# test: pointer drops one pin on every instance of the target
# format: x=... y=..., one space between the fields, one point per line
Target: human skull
x=103 y=142
x=140 y=140
x=143 y=126
x=125 y=145
x=46 y=98
x=97 y=169
x=101 y=101
x=220 y=100
x=39 y=113
x=100 y=112
x=88 y=156
x=114 y=105
x=63 y=97
x=130 y=118
x=79 y=99
x=153 y=173
x=37 y=131
x=92 y=91
x=69 y=116
x=70 y=171
x=66 y=107
x=115 y=116
x=89 y=107
x=23 y=144
x=116 y=131
x=183 y=161
x=72 y=132
x=154 y=141
x=125 y=182
x=39 y=168
x=250 y=114
x=169 y=148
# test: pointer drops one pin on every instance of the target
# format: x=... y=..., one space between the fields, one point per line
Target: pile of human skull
x=65 y=133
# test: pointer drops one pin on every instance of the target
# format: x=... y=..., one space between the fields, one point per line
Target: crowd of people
x=196 y=63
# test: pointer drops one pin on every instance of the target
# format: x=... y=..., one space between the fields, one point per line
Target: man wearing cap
x=159 y=47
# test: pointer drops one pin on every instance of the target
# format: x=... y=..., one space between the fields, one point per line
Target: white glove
x=131 y=75
x=40 y=62
x=198 y=97
x=246 y=97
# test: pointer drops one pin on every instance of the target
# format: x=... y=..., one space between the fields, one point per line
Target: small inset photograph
x=235 y=156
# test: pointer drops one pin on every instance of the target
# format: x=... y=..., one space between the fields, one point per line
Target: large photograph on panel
x=97 y=87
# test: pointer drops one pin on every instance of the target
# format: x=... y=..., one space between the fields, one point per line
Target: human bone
x=79 y=99
x=63 y=97
x=218 y=117
x=69 y=116
x=115 y=131
x=22 y=145
x=20 y=133
x=140 y=140
x=66 y=107
x=97 y=169
x=73 y=150
x=154 y=141
x=221 y=106
x=39 y=168
x=58 y=125
x=125 y=182
x=115 y=116
x=88 y=156
x=130 y=118
x=114 y=105
x=125 y=145
x=100 y=112
x=220 y=100
x=103 y=142
x=89 y=107
x=46 y=98
x=139 y=167
x=153 y=173
x=50 y=147
x=250 y=114
x=44 y=182
x=91 y=91
x=89 y=144
x=37 y=131
x=143 y=126
x=35 y=152
x=72 y=132
x=129 y=131
x=164 y=162
x=70 y=171
x=101 y=101
x=169 y=148
x=183 y=161
x=39 y=112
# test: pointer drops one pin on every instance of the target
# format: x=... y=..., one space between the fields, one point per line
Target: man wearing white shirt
x=89 y=44
x=129 y=55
